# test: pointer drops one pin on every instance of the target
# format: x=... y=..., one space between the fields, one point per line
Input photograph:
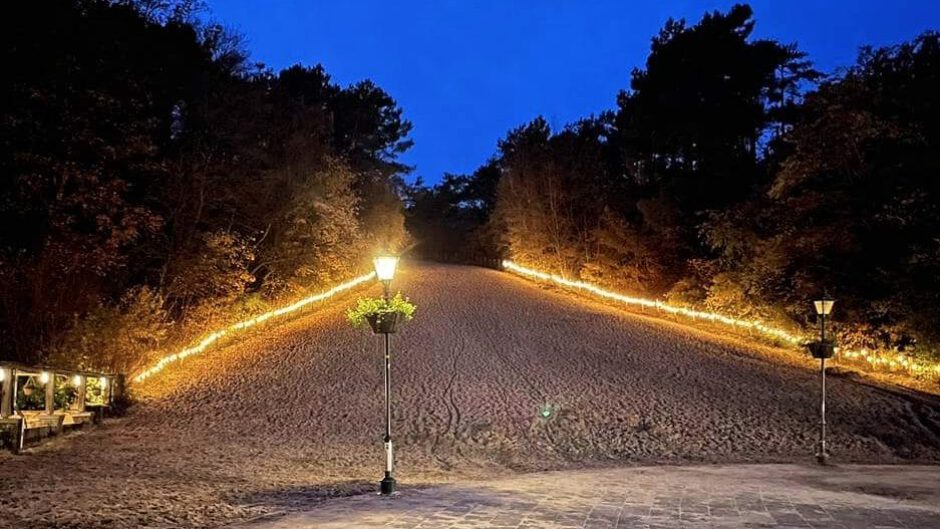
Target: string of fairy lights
x=876 y=360
x=215 y=336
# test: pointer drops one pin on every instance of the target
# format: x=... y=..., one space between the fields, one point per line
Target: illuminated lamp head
x=824 y=305
x=385 y=267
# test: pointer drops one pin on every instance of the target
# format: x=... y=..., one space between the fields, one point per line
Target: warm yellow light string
x=883 y=359
x=251 y=322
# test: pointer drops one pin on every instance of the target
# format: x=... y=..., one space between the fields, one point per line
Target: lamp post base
x=822 y=457
x=387 y=485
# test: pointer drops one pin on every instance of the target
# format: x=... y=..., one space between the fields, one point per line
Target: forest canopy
x=156 y=184
x=731 y=176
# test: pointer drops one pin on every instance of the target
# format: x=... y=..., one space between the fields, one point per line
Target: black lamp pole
x=387 y=485
x=822 y=456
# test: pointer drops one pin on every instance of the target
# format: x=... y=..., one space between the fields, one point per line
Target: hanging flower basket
x=385 y=322
x=384 y=316
x=822 y=349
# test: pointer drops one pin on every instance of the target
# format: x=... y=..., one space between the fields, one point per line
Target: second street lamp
x=385 y=270
x=822 y=350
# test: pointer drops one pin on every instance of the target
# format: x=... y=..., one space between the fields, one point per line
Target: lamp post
x=824 y=350
x=385 y=270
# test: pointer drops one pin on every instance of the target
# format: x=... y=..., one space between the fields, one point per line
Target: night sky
x=466 y=72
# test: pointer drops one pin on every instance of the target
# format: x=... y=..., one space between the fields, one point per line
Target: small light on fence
x=103 y=382
x=385 y=267
x=77 y=380
x=44 y=377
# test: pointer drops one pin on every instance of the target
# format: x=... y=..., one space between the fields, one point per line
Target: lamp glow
x=385 y=267
x=44 y=377
x=103 y=382
x=3 y=374
x=77 y=380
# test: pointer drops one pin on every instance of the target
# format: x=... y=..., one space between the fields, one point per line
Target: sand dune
x=295 y=413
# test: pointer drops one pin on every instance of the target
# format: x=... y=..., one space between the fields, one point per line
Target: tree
x=86 y=109
x=142 y=154
x=694 y=116
x=853 y=208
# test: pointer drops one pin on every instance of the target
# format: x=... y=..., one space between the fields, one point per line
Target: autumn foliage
x=156 y=184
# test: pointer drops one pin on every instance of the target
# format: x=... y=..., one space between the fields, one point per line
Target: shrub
x=117 y=337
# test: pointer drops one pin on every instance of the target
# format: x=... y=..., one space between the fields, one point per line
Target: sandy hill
x=295 y=412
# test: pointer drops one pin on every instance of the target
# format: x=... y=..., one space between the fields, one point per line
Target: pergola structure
x=38 y=402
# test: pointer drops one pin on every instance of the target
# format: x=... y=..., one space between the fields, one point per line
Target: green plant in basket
x=383 y=315
x=64 y=396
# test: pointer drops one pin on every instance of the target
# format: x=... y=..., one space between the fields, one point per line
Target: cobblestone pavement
x=728 y=496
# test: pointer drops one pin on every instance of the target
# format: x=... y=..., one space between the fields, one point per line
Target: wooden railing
x=38 y=401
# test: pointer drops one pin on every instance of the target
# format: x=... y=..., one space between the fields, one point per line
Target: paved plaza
x=693 y=497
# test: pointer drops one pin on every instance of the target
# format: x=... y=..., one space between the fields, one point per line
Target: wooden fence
x=37 y=402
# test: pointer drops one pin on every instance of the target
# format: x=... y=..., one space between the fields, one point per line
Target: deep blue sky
x=466 y=72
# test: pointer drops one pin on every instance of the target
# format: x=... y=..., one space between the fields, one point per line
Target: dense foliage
x=155 y=184
x=731 y=176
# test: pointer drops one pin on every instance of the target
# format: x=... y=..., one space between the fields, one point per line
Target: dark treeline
x=156 y=184
x=730 y=176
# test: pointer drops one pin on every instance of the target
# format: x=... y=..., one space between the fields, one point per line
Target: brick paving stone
x=702 y=497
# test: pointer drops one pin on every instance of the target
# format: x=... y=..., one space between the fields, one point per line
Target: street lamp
x=385 y=270
x=822 y=350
